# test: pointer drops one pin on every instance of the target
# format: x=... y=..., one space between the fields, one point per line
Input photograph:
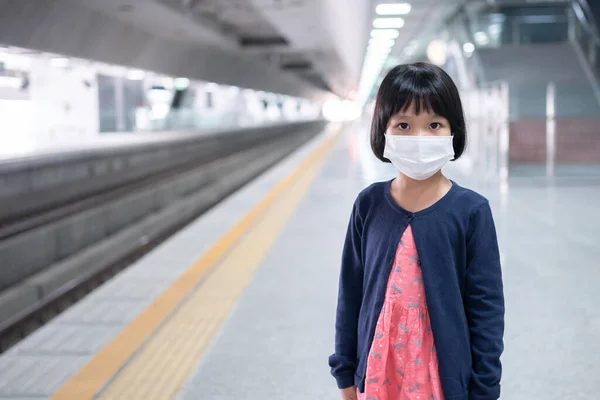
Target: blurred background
x=125 y=124
x=530 y=66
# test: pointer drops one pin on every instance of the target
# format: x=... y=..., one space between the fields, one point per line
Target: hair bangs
x=418 y=92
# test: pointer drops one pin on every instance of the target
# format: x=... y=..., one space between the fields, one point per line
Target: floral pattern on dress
x=403 y=363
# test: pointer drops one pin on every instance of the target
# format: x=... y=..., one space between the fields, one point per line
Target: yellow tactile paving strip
x=155 y=355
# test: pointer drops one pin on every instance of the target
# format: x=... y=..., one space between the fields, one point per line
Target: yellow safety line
x=90 y=380
x=166 y=361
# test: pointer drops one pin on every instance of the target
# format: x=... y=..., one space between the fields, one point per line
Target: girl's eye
x=435 y=126
x=403 y=126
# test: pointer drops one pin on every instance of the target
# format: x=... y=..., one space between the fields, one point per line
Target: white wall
x=348 y=26
x=64 y=108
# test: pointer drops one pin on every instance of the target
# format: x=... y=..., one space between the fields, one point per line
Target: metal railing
x=584 y=35
x=567 y=22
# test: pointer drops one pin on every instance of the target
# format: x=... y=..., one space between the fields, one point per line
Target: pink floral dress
x=403 y=363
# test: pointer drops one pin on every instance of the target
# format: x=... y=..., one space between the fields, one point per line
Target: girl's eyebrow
x=412 y=116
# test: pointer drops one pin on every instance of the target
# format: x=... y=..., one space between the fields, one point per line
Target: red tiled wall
x=527 y=142
x=577 y=142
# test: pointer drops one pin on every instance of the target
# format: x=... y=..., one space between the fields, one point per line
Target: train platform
x=240 y=304
x=19 y=150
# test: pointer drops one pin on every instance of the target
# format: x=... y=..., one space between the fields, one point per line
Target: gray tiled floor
x=276 y=342
x=552 y=274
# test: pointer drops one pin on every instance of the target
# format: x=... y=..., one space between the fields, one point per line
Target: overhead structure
x=305 y=48
x=396 y=28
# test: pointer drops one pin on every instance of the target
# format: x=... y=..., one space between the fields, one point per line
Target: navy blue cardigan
x=458 y=250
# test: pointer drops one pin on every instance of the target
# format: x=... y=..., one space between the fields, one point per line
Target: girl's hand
x=350 y=393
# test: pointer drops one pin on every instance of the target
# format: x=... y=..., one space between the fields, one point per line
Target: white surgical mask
x=418 y=157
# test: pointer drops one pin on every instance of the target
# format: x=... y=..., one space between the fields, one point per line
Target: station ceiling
x=305 y=48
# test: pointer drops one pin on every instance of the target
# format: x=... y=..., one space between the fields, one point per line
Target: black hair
x=426 y=86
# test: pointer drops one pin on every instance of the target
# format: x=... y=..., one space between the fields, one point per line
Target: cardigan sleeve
x=484 y=305
x=343 y=362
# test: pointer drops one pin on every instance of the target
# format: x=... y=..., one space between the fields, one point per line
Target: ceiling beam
x=66 y=27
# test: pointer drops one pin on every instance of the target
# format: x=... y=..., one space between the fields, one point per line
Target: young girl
x=420 y=311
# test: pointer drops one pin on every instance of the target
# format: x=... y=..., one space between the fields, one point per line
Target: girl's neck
x=405 y=183
x=414 y=195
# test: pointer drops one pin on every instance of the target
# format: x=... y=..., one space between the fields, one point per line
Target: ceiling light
x=59 y=62
x=468 y=47
x=381 y=42
x=135 y=74
x=495 y=29
x=373 y=56
x=388 y=23
x=379 y=48
x=377 y=55
x=378 y=51
x=385 y=33
x=182 y=83
x=393 y=9
x=481 y=38
x=436 y=52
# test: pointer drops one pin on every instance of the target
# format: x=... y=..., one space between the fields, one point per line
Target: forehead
x=412 y=110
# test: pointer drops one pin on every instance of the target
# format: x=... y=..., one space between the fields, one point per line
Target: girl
x=420 y=312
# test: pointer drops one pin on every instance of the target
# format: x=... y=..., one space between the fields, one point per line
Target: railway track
x=242 y=166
